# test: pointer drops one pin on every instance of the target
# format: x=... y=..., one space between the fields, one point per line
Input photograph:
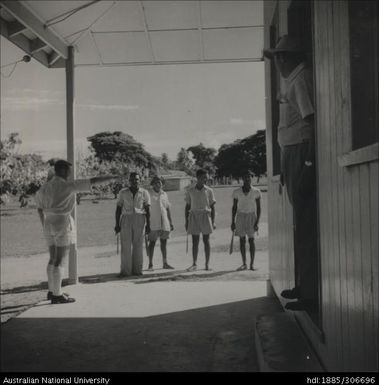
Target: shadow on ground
x=214 y=338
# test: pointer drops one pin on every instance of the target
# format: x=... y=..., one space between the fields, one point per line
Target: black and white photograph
x=189 y=186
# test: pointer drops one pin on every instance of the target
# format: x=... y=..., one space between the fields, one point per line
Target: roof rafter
x=146 y=30
x=27 y=19
x=23 y=43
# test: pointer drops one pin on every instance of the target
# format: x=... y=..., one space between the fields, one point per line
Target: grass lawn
x=21 y=232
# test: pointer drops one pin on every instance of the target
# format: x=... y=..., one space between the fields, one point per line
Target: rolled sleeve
x=146 y=198
x=304 y=98
x=166 y=202
x=212 y=199
x=80 y=185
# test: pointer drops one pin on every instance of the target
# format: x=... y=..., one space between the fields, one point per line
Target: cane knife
x=146 y=244
x=231 y=244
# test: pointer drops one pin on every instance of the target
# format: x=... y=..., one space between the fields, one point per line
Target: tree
x=184 y=161
x=244 y=154
x=123 y=148
x=204 y=157
x=20 y=173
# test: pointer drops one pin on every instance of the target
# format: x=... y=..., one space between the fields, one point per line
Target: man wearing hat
x=296 y=140
x=55 y=201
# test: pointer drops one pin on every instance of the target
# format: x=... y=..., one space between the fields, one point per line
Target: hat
x=285 y=44
x=61 y=163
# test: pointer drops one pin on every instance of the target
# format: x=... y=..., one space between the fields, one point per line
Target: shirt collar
x=295 y=72
x=138 y=190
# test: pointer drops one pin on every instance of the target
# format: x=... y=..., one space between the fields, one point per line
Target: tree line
x=119 y=153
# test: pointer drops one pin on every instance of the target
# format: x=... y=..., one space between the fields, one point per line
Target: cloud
x=36 y=92
x=107 y=107
x=26 y=99
x=256 y=124
x=53 y=148
x=22 y=103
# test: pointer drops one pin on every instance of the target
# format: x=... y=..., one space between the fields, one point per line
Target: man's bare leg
x=252 y=253
x=207 y=250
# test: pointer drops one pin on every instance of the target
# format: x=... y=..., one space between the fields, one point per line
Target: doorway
x=300 y=22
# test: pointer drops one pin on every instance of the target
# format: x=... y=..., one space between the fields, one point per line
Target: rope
x=67 y=14
x=10 y=74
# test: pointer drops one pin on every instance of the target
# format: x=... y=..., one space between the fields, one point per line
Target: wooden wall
x=348 y=207
x=348 y=200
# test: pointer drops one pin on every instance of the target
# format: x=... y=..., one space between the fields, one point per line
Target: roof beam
x=15 y=28
x=180 y=29
x=202 y=54
x=147 y=32
x=206 y=61
x=32 y=23
x=37 y=45
x=23 y=43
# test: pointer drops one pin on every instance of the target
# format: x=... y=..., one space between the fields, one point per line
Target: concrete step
x=282 y=347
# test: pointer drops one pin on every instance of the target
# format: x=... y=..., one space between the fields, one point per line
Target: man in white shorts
x=247 y=208
x=55 y=201
x=160 y=221
x=200 y=216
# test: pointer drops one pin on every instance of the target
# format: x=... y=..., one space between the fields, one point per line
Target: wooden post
x=72 y=261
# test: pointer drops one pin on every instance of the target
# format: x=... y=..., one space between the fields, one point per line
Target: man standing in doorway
x=55 y=201
x=132 y=213
x=296 y=132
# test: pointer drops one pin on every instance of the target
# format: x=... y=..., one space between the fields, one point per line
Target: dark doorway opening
x=306 y=229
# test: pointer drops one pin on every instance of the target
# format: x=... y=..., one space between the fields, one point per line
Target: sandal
x=50 y=295
x=56 y=299
x=192 y=268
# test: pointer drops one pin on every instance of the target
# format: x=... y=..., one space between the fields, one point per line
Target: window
x=363 y=30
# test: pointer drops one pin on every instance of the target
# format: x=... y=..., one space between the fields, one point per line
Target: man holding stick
x=132 y=213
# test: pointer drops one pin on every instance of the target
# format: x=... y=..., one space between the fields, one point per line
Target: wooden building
x=342 y=41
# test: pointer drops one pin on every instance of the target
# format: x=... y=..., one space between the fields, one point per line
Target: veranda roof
x=111 y=33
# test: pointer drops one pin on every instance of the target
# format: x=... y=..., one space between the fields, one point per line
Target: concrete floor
x=122 y=326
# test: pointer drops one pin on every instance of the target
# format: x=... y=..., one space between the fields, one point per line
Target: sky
x=165 y=107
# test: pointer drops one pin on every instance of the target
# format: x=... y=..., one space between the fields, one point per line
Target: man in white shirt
x=132 y=213
x=160 y=221
x=296 y=140
x=247 y=209
x=200 y=216
x=55 y=201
